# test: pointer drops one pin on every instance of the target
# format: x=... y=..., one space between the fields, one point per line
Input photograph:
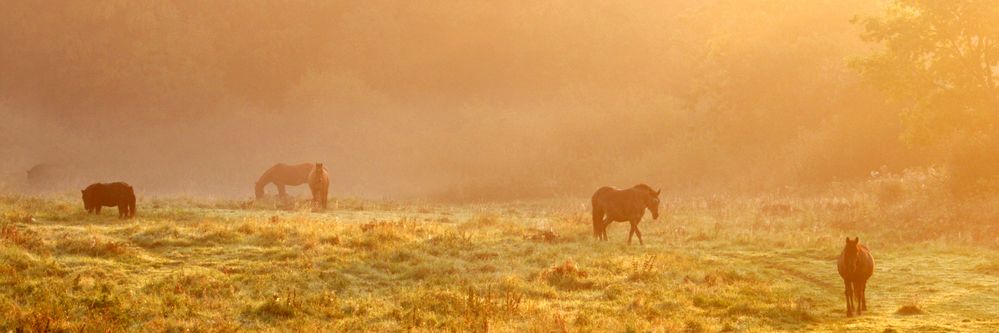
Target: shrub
x=566 y=276
x=24 y=238
x=644 y=269
x=93 y=246
x=451 y=239
x=540 y=235
x=912 y=308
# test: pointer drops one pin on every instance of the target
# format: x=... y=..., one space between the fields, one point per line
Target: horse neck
x=264 y=179
x=639 y=196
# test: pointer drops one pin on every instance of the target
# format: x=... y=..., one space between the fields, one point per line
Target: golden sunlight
x=504 y=166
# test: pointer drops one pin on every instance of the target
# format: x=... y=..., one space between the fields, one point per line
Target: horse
x=50 y=177
x=283 y=175
x=319 y=184
x=613 y=205
x=116 y=194
x=293 y=175
x=855 y=265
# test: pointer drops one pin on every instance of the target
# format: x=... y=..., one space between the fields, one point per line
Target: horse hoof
x=849 y=314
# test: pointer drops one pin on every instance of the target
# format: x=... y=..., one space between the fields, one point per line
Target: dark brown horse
x=293 y=175
x=613 y=205
x=856 y=265
x=117 y=194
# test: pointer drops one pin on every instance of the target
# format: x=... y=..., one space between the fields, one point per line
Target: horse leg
x=631 y=231
x=603 y=230
x=858 y=297
x=281 y=192
x=863 y=295
x=315 y=198
x=634 y=225
x=326 y=194
x=97 y=210
x=849 y=298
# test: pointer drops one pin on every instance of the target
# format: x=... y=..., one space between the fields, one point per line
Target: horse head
x=652 y=202
x=88 y=201
x=258 y=189
x=851 y=254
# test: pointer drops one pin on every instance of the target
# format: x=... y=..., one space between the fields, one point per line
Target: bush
x=24 y=238
x=566 y=276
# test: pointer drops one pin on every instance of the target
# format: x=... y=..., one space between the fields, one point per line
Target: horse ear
x=856 y=239
x=659 y=191
x=847 y=239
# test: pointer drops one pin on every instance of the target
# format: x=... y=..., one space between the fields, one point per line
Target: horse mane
x=645 y=187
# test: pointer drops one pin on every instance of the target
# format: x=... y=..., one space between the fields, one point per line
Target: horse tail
x=598 y=218
x=131 y=206
x=131 y=202
x=598 y=211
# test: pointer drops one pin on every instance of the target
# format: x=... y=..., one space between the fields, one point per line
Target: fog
x=442 y=99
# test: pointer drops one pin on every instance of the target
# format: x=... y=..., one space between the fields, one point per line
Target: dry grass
x=734 y=265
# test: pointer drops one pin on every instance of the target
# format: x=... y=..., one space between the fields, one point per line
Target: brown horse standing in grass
x=293 y=175
x=856 y=265
x=319 y=184
x=613 y=205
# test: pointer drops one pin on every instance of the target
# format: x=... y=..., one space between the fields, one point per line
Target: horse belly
x=868 y=266
x=109 y=204
x=621 y=216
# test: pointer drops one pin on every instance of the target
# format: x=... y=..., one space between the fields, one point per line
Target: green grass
x=713 y=265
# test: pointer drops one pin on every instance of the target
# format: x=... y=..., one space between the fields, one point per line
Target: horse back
x=601 y=192
x=111 y=194
x=618 y=205
x=296 y=174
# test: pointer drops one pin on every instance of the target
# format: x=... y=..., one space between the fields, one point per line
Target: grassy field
x=708 y=265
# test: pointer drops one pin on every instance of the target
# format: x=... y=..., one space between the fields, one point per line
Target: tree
x=939 y=65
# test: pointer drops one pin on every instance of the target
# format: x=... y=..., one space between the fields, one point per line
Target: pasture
x=740 y=264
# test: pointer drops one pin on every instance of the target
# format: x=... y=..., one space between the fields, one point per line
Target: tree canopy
x=939 y=65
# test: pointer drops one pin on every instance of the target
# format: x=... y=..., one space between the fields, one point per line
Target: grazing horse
x=117 y=194
x=319 y=184
x=855 y=265
x=613 y=205
x=293 y=175
x=47 y=177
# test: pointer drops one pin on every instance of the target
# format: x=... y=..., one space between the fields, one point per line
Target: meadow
x=709 y=264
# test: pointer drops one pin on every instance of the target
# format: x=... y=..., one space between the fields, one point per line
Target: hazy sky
x=415 y=98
